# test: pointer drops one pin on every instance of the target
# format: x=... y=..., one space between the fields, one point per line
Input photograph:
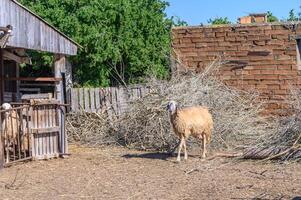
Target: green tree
x=122 y=39
x=219 y=20
x=271 y=17
x=292 y=16
x=176 y=21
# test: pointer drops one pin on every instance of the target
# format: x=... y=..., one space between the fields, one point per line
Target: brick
x=265 y=67
x=285 y=87
x=190 y=54
x=183 y=45
x=224 y=43
x=286 y=77
x=255 y=72
x=266 y=77
x=278 y=51
x=286 y=72
x=280 y=92
x=230 y=38
x=273 y=87
x=220 y=34
x=204 y=44
x=189 y=49
x=222 y=29
x=196 y=30
x=236 y=53
x=260 y=58
x=209 y=35
x=197 y=40
x=282 y=57
x=292 y=53
x=268 y=71
x=284 y=67
x=261 y=86
x=280 y=32
x=243 y=48
x=245 y=77
x=276 y=42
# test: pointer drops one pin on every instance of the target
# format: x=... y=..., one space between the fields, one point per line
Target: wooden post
x=2 y=77
x=59 y=68
x=2 y=161
x=18 y=96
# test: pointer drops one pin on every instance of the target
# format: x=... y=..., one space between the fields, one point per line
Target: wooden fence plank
x=97 y=99
x=113 y=98
x=92 y=100
x=74 y=100
x=87 y=99
x=81 y=99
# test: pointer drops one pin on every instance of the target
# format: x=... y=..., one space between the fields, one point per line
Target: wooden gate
x=34 y=131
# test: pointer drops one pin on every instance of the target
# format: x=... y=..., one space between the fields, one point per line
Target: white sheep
x=195 y=121
x=10 y=128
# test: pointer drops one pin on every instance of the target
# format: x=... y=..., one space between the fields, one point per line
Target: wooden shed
x=22 y=30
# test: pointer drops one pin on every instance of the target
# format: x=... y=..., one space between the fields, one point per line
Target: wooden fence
x=32 y=131
x=113 y=98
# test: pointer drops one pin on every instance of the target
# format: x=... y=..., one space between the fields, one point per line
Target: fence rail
x=113 y=98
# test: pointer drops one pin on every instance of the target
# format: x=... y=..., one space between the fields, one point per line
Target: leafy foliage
x=292 y=16
x=121 y=39
x=219 y=20
x=271 y=17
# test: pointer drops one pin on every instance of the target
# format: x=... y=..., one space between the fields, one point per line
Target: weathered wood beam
x=1 y=77
x=37 y=79
x=11 y=56
x=2 y=161
x=59 y=68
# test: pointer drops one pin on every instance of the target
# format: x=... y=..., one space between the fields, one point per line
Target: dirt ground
x=119 y=173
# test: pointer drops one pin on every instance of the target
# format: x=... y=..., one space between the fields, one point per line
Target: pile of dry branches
x=237 y=122
x=91 y=129
x=284 y=142
x=146 y=125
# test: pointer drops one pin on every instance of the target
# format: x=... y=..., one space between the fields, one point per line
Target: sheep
x=195 y=121
x=11 y=130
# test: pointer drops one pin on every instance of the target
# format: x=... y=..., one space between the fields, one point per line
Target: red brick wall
x=261 y=57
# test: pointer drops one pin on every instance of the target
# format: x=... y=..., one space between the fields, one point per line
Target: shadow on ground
x=157 y=156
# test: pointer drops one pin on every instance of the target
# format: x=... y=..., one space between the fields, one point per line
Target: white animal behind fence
x=10 y=128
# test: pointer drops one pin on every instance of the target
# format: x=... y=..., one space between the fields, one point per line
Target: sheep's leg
x=185 y=150
x=180 y=148
x=204 y=146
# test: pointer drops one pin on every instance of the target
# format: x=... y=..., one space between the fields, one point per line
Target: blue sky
x=199 y=11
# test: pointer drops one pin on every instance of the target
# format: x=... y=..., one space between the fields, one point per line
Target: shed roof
x=32 y=32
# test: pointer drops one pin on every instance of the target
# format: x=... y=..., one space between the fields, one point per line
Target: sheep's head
x=6 y=106
x=172 y=107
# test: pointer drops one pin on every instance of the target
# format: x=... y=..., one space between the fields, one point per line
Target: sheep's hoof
x=178 y=160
